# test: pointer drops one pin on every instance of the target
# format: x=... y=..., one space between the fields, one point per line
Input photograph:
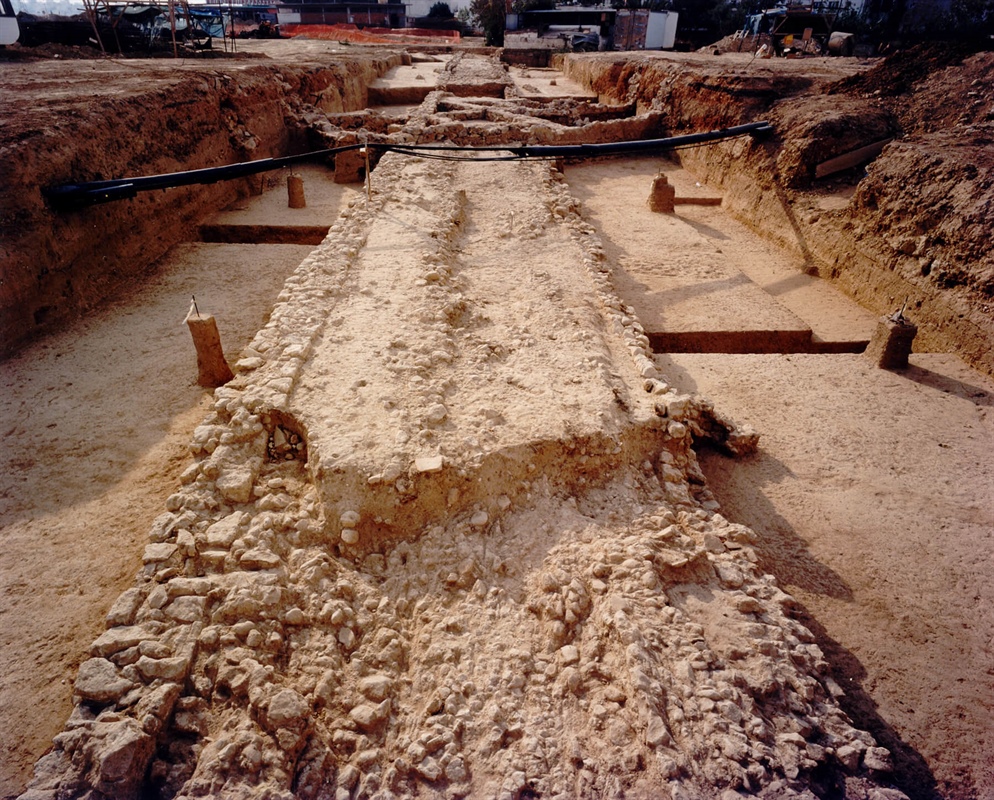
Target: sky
x=65 y=8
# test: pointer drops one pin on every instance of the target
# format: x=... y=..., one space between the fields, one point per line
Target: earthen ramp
x=462 y=551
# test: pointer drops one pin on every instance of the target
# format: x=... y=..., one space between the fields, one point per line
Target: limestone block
x=188 y=608
x=848 y=756
x=656 y=734
x=350 y=535
x=259 y=558
x=288 y=709
x=162 y=551
x=878 y=759
x=182 y=587
x=568 y=655
x=376 y=687
x=235 y=484
x=223 y=532
x=125 y=607
x=158 y=704
x=121 y=756
x=114 y=640
x=100 y=682
x=428 y=464
x=368 y=717
x=169 y=669
x=162 y=527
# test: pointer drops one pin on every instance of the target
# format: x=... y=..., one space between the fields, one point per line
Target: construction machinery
x=8 y=24
x=800 y=27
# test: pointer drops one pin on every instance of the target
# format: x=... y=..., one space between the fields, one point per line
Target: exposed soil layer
x=916 y=228
x=142 y=117
x=453 y=414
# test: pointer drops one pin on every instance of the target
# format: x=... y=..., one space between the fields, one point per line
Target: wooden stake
x=212 y=368
x=295 y=191
x=662 y=195
x=892 y=342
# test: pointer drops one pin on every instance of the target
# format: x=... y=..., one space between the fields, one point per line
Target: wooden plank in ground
x=851 y=159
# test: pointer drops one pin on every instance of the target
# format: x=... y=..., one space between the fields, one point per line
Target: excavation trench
x=447 y=530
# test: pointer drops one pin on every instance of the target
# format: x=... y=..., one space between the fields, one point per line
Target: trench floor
x=872 y=493
x=701 y=282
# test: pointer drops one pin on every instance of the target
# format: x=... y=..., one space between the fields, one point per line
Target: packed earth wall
x=58 y=265
x=927 y=193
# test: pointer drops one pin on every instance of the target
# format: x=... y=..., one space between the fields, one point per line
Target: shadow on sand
x=738 y=486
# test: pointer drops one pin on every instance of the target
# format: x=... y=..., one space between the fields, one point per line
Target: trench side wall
x=59 y=265
x=867 y=268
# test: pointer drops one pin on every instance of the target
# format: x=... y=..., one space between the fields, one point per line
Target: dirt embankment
x=299 y=612
x=57 y=265
x=911 y=225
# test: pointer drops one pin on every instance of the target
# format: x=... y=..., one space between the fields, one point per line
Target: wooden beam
x=851 y=159
x=697 y=201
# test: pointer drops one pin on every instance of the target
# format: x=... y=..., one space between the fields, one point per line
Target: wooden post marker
x=891 y=343
x=212 y=368
x=662 y=195
x=295 y=191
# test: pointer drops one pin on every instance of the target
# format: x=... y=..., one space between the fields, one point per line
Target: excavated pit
x=299 y=611
x=446 y=533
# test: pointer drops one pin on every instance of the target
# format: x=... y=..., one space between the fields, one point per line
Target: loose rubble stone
x=113 y=640
x=170 y=669
x=159 y=552
x=100 y=681
x=224 y=532
x=124 y=609
x=288 y=709
x=350 y=535
x=598 y=636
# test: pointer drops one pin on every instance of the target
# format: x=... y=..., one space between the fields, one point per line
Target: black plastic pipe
x=75 y=196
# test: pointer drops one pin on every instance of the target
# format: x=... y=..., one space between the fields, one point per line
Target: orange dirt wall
x=883 y=246
x=56 y=265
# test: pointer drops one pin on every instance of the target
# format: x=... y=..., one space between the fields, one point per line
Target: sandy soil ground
x=896 y=591
x=872 y=494
x=97 y=422
x=872 y=490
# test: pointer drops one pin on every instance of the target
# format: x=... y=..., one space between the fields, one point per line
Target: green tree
x=490 y=15
x=440 y=10
x=520 y=6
